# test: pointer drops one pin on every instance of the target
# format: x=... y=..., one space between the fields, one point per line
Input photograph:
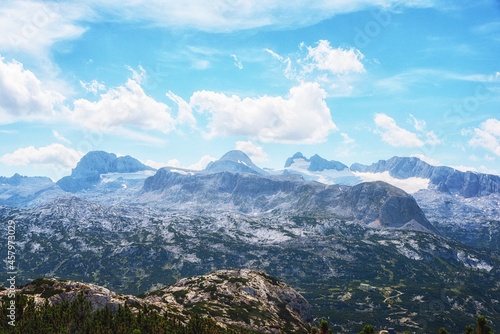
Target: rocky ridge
x=316 y=163
x=444 y=179
x=244 y=298
x=376 y=203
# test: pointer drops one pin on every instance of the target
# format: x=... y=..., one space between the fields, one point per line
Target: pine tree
x=482 y=328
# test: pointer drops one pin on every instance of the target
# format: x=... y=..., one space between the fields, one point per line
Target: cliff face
x=244 y=298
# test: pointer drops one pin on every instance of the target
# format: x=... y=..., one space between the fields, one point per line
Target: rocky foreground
x=244 y=298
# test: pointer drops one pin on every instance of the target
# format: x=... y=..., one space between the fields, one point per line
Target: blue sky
x=181 y=83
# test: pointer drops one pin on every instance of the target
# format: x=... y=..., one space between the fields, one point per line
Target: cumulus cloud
x=337 y=69
x=23 y=96
x=126 y=105
x=256 y=153
x=202 y=163
x=301 y=117
x=34 y=26
x=55 y=156
x=336 y=61
x=394 y=135
x=173 y=163
x=155 y=164
x=487 y=136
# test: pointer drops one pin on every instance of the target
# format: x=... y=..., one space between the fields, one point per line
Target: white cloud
x=174 y=163
x=419 y=124
x=347 y=139
x=126 y=105
x=202 y=163
x=34 y=26
x=336 y=69
x=256 y=153
x=54 y=156
x=487 y=136
x=335 y=61
x=393 y=134
x=237 y=62
x=93 y=86
x=155 y=164
x=60 y=137
x=486 y=170
x=185 y=114
x=429 y=160
x=302 y=117
x=23 y=96
x=432 y=138
x=223 y=16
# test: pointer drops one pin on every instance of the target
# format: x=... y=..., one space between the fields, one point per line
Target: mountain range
x=321 y=226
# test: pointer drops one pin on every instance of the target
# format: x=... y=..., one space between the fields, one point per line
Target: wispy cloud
x=487 y=136
x=237 y=62
x=225 y=16
x=93 y=86
x=34 y=26
x=60 y=137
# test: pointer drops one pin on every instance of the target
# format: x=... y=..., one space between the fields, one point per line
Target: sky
x=181 y=83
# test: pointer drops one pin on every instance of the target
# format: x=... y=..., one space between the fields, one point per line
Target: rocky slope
x=243 y=298
x=377 y=203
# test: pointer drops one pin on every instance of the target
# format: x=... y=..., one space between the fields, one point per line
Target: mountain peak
x=236 y=156
x=90 y=167
x=316 y=163
x=235 y=161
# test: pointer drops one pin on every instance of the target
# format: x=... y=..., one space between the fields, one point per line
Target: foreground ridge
x=235 y=298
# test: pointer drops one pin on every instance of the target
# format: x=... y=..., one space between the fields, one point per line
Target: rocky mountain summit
x=235 y=161
x=244 y=298
x=89 y=169
x=315 y=163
